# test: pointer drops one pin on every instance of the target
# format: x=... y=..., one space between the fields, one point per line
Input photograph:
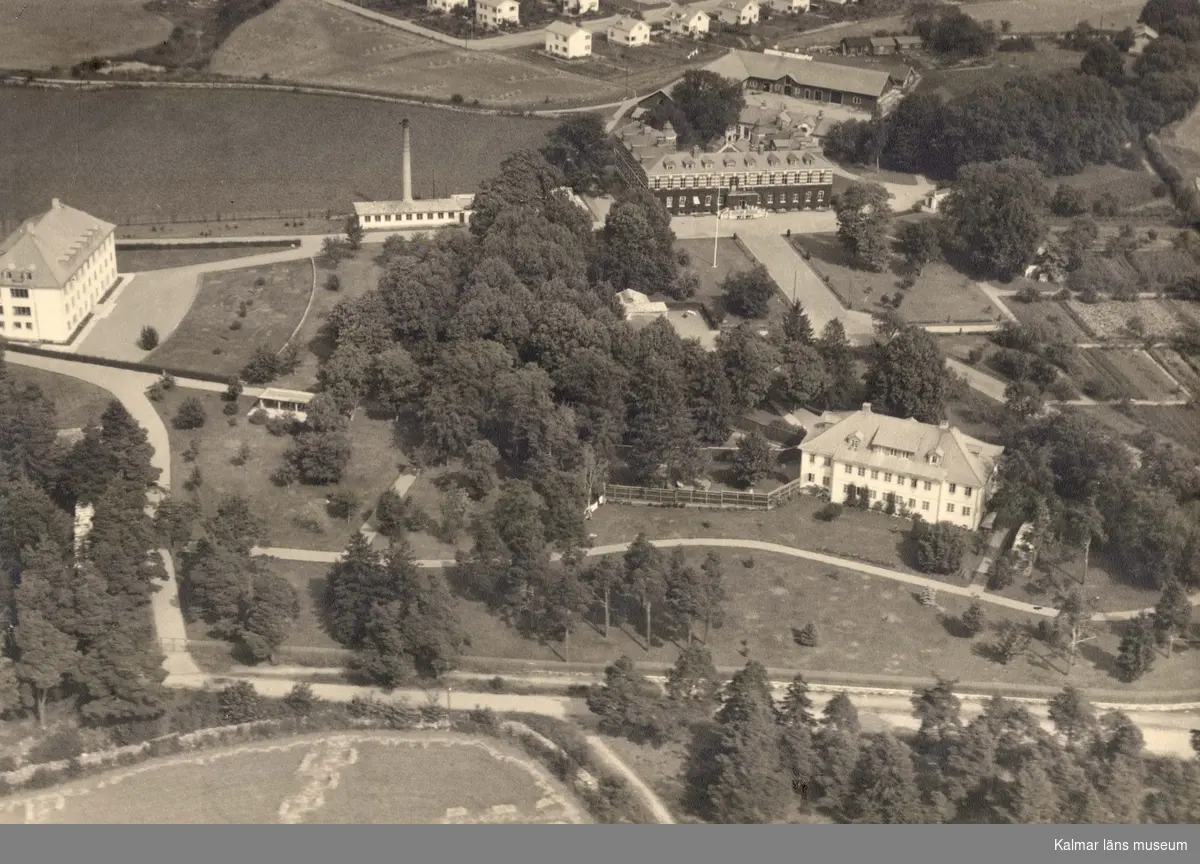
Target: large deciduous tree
x=581 y=149
x=996 y=215
x=864 y=218
x=710 y=103
x=908 y=376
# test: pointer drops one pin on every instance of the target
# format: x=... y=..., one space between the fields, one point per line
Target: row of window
x=19 y=310
x=806 y=93
x=408 y=217
x=900 y=478
x=704 y=181
x=770 y=199
x=17 y=325
x=19 y=293
x=912 y=502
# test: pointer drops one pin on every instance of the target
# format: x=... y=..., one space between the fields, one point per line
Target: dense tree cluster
x=80 y=619
x=996 y=215
x=702 y=106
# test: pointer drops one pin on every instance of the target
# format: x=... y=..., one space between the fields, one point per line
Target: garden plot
x=1180 y=368
x=1110 y=319
x=1112 y=374
x=1052 y=316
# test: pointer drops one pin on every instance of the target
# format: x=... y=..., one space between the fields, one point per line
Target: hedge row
x=128 y=365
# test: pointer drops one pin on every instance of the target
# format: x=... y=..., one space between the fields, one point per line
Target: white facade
x=787 y=7
x=736 y=12
x=445 y=5
x=277 y=402
x=418 y=215
x=580 y=7
x=567 y=41
x=906 y=467
x=494 y=13
x=629 y=32
x=53 y=271
x=685 y=23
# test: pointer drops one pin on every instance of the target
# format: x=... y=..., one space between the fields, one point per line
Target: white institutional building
x=53 y=271
x=409 y=213
x=911 y=468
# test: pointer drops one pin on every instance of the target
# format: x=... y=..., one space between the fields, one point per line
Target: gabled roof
x=961 y=458
x=53 y=245
x=1145 y=30
x=857 y=41
x=898 y=71
x=564 y=29
x=495 y=4
x=627 y=25
x=740 y=65
x=909 y=40
x=883 y=42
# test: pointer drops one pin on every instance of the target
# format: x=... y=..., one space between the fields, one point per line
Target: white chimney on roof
x=944 y=425
x=55 y=204
x=866 y=408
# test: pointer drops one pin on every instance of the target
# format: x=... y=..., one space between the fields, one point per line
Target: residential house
x=54 y=269
x=882 y=45
x=681 y=21
x=787 y=7
x=445 y=5
x=496 y=13
x=580 y=7
x=760 y=164
x=802 y=78
x=741 y=12
x=905 y=44
x=568 y=41
x=1143 y=35
x=933 y=471
x=629 y=32
x=855 y=45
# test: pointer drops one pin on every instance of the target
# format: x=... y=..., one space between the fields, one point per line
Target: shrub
x=155 y=392
x=262 y=366
x=333 y=282
x=148 y=338
x=937 y=548
x=342 y=504
x=829 y=512
x=66 y=743
x=258 y=417
x=280 y=424
x=390 y=515
x=229 y=409
x=807 y=638
x=456 y=98
x=974 y=619
x=235 y=324
x=239 y=703
x=300 y=700
x=1029 y=294
x=260 y=281
x=190 y=414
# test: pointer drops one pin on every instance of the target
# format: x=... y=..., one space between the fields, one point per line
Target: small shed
x=636 y=305
x=277 y=402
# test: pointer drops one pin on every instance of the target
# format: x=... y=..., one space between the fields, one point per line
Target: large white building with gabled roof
x=54 y=269
x=936 y=472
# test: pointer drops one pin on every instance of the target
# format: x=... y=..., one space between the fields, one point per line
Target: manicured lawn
x=1051 y=315
x=77 y=404
x=975 y=414
x=137 y=260
x=941 y=295
x=205 y=339
x=294 y=151
x=295 y=516
x=731 y=258
x=1105 y=589
x=358 y=275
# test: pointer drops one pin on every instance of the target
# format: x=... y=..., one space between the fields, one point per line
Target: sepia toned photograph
x=630 y=412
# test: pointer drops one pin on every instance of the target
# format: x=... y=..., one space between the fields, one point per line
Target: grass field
x=357 y=276
x=45 y=33
x=630 y=68
x=295 y=516
x=139 y=260
x=997 y=69
x=865 y=625
x=348 y=778
x=1134 y=190
x=77 y=404
x=941 y=295
x=205 y=339
x=1050 y=315
x=244 y=151
x=308 y=41
x=731 y=258
x=1043 y=16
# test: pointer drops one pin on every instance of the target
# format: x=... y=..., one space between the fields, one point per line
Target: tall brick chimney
x=407 y=176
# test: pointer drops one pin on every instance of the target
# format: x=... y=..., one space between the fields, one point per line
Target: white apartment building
x=629 y=32
x=580 y=7
x=568 y=41
x=911 y=468
x=53 y=271
x=743 y=12
x=494 y=13
x=445 y=5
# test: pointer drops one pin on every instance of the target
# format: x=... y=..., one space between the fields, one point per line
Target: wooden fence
x=721 y=499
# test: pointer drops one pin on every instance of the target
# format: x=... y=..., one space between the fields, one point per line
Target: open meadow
x=163 y=155
x=234 y=313
x=308 y=41
x=345 y=778
x=45 y=33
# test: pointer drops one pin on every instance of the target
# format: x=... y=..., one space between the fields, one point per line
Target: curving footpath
x=971 y=591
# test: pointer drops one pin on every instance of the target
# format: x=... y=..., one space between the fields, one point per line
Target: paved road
x=986 y=384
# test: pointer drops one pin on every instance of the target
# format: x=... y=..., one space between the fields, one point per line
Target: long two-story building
x=765 y=160
x=802 y=78
x=936 y=472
